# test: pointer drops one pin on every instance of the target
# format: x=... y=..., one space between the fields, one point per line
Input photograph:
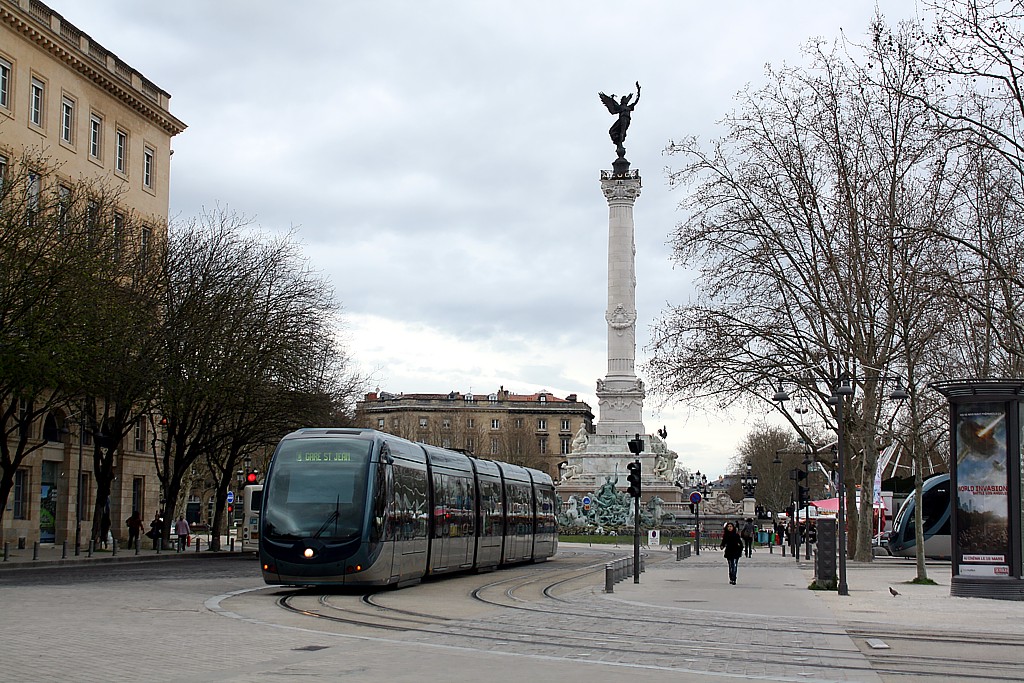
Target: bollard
x=159 y=544
x=92 y=546
x=64 y=550
x=609 y=581
x=113 y=548
x=137 y=544
x=35 y=550
x=231 y=544
x=7 y=551
x=199 y=542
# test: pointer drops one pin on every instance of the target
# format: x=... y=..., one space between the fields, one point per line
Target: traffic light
x=634 y=478
x=231 y=508
x=805 y=495
x=251 y=477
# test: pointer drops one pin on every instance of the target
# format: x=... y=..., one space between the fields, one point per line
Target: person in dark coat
x=733 y=546
x=134 y=524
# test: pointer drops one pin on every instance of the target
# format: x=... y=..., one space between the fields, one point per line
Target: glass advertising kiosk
x=985 y=422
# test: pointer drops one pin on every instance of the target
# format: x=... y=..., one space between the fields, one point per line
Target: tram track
x=541 y=609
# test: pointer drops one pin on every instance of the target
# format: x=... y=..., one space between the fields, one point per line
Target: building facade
x=68 y=100
x=535 y=430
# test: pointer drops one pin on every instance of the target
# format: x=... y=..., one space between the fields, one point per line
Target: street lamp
x=749 y=482
x=698 y=483
x=806 y=501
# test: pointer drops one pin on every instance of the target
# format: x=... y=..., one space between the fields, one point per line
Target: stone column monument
x=600 y=458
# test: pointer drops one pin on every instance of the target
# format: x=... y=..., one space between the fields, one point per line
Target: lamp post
x=749 y=482
x=699 y=484
x=807 y=503
x=78 y=488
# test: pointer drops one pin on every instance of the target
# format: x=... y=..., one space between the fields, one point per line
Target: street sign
x=695 y=497
x=586 y=500
x=231 y=497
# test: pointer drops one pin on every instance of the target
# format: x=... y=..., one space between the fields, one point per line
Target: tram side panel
x=545 y=540
x=453 y=532
x=518 y=495
x=410 y=510
x=490 y=515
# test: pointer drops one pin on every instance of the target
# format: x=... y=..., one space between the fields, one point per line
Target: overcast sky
x=440 y=162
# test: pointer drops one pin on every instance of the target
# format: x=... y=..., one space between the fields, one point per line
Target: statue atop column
x=623 y=109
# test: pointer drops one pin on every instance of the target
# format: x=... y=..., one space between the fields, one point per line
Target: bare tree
x=793 y=219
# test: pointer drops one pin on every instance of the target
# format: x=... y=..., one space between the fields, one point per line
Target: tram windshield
x=317 y=489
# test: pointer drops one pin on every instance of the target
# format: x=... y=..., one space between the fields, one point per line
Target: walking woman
x=733 y=545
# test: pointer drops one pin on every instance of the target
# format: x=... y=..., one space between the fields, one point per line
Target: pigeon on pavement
x=893 y=591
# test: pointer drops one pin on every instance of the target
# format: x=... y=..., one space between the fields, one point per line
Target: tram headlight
x=308 y=553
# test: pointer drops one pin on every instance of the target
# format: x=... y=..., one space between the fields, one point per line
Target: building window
x=493 y=398
x=423 y=422
x=380 y=423
x=5 y=84
x=63 y=210
x=3 y=170
x=147 y=167
x=144 y=238
x=121 y=152
x=566 y=445
x=32 y=197
x=495 y=424
x=543 y=398
x=394 y=422
x=542 y=445
x=566 y=426
x=21 y=494
x=36 y=102
x=494 y=446
x=138 y=490
x=86 y=495
x=470 y=423
x=469 y=444
x=118 y=236
x=446 y=423
x=92 y=222
x=519 y=422
x=67 y=120
x=140 y=435
x=95 y=136
x=542 y=424
x=446 y=442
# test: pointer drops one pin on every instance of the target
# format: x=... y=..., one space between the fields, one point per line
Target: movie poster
x=982 y=496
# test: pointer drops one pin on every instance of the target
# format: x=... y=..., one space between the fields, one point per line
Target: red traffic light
x=231 y=508
x=251 y=478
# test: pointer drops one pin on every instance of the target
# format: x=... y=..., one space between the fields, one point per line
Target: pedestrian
x=182 y=529
x=156 y=530
x=733 y=546
x=812 y=535
x=105 y=528
x=134 y=524
x=748 y=537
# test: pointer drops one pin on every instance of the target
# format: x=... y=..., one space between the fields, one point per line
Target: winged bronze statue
x=622 y=108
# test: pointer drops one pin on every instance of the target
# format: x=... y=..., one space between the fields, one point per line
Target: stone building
x=535 y=430
x=67 y=99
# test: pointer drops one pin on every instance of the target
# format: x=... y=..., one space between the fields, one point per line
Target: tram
x=937 y=512
x=358 y=507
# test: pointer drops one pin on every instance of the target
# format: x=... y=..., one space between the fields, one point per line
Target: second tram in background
x=937 y=509
x=361 y=507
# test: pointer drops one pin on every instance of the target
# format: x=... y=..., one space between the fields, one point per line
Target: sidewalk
x=60 y=556
x=767 y=582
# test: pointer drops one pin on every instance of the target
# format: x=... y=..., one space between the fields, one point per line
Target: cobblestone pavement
x=199 y=619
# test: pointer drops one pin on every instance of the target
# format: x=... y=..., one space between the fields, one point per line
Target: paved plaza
x=210 y=618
